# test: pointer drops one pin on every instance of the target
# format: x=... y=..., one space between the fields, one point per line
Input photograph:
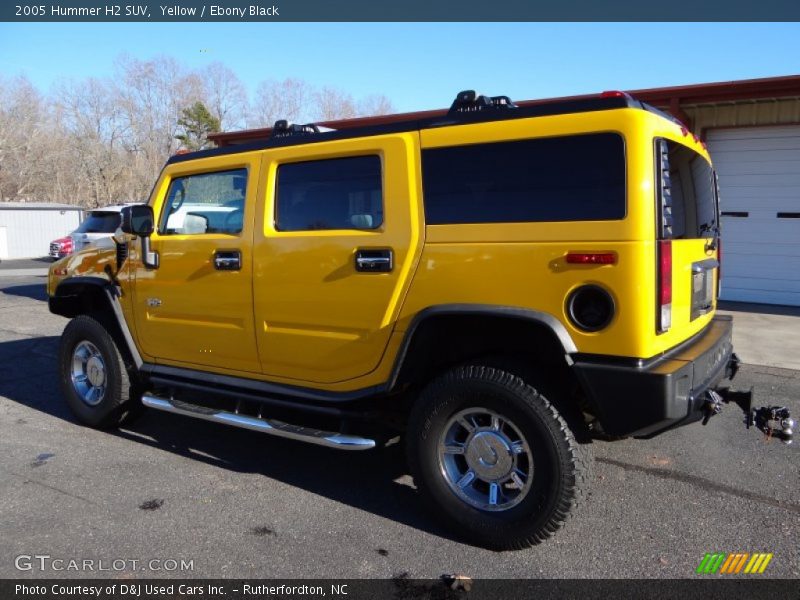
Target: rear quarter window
x=570 y=178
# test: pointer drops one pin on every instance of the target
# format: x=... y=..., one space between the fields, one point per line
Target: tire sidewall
x=81 y=329
x=531 y=414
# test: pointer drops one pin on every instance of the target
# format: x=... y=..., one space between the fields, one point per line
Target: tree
x=376 y=104
x=275 y=100
x=225 y=95
x=151 y=95
x=196 y=123
x=332 y=103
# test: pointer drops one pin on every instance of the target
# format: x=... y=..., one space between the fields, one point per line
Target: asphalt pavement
x=234 y=503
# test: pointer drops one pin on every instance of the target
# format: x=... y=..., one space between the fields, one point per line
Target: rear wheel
x=93 y=376
x=494 y=457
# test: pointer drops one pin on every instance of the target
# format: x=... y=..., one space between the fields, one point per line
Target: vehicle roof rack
x=471 y=101
x=469 y=107
x=283 y=128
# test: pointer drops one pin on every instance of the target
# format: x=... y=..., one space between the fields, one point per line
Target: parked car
x=501 y=285
x=98 y=224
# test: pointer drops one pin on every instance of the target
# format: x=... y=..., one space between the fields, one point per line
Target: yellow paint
x=298 y=312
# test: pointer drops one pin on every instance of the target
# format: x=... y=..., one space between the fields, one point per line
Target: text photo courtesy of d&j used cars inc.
x=418 y=300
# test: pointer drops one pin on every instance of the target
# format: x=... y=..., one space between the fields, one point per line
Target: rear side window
x=337 y=193
x=574 y=178
x=688 y=192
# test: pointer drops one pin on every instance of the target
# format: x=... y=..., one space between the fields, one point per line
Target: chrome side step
x=272 y=427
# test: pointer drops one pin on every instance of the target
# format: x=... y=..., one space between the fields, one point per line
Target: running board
x=272 y=427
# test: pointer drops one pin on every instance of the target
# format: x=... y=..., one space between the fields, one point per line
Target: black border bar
x=400 y=11
x=709 y=587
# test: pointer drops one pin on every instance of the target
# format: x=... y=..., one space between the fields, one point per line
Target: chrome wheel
x=485 y=459
x=88 y=373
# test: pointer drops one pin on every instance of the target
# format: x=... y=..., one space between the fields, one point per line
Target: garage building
x=752 y=128
x=27 y=228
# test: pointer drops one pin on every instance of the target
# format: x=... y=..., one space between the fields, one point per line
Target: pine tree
x=196 y=123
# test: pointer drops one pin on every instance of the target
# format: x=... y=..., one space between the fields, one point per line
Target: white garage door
x=759 y=178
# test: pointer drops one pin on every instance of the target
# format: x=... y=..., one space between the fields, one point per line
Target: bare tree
x=375 y=104
x=97 y=141
x=94 y=129
x=152 y=95
x=275 y=100
x=23 y=129
x=225 y=95
x=331 y=103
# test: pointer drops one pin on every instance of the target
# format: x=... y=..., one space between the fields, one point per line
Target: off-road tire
x=121 y=401
x=561 y=465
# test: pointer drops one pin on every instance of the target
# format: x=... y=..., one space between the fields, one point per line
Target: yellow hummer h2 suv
x=499 y=285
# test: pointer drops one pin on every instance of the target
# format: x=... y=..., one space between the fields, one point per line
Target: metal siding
x=759 y=173
x=29 y=232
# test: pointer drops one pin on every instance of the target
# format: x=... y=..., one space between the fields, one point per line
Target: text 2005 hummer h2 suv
x=500 y=285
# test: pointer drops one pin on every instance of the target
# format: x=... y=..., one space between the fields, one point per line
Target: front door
x=196 y=308
x=333 y=255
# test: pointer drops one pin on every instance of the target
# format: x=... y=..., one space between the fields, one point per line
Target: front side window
x=570 y=178
x=336 y=193
x=205 y=203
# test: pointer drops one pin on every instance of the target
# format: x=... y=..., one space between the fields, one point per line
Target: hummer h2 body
x=500 y=285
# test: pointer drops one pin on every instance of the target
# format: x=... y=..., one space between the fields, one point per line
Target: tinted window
x=99 y=222
x=574 y=178
x=692 y=187
x=339 y=193
x=205 y=203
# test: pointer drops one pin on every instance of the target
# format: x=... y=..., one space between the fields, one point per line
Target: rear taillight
x=664 y=317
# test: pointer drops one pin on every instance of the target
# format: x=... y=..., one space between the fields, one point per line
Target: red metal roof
x=669 y=98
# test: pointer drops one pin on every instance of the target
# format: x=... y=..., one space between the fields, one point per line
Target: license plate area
x=703 y=287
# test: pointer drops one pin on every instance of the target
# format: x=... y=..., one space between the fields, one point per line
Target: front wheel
x=494 y=457
x=93 y=376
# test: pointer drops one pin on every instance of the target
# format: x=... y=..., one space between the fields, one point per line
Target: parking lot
x=236 y=503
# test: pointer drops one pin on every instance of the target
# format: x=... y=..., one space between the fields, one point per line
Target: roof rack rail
x=471 y=101
x=283 y=128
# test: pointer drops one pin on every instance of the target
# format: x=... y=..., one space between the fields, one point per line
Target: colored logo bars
x=730 y=564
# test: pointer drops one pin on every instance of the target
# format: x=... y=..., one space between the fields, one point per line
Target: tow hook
x=773 y=421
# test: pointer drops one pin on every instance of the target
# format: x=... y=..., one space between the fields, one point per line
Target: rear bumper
x=643 y=398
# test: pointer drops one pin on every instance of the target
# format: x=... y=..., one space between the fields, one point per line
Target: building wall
x=28 y=232
x=781 y=111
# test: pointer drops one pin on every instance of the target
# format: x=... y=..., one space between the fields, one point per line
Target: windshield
x=693 y=189
x=99 y=222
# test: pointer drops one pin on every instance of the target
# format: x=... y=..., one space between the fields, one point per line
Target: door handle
x=374 y=261
x=227 y=260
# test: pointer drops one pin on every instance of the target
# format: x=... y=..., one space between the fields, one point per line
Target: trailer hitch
x=773 y=421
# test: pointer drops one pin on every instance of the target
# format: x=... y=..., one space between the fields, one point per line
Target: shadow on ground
x=34 y=291
x=373 y=481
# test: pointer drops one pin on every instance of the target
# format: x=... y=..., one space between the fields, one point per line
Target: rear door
x=688 y=240
x=333 y=255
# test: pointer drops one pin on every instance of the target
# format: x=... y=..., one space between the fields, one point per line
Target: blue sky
x=420 y=65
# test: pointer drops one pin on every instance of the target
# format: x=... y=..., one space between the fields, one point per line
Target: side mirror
x=137 y=220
